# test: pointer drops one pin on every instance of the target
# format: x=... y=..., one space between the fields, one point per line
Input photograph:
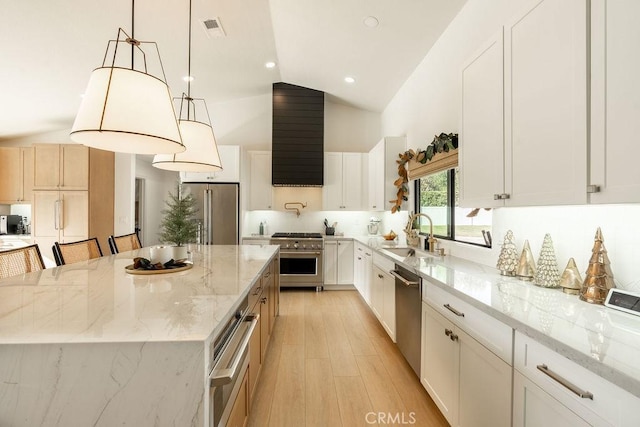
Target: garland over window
x=443 y=143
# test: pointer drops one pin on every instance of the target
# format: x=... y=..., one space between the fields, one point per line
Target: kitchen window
x=437 y=195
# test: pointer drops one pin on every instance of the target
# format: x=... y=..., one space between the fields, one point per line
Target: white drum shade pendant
x=127 y=111
x=201 y=154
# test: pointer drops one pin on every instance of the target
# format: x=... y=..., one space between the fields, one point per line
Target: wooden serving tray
x=129 y=269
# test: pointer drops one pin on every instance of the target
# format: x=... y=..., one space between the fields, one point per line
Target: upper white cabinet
x=230 y=158
x=482 y=138
x=383 y=171
x=544 y=76
x=546 y=104
x=342 y=189
x=615 y=101
x=260 y=190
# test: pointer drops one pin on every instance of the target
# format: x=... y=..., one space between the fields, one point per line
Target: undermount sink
x=403 y=252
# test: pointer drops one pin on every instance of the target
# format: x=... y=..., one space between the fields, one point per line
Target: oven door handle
x=219 y=377
x=301 y=253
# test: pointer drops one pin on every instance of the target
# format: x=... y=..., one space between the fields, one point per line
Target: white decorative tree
x=547 y=274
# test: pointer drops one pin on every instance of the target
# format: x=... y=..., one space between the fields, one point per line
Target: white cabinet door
x=376 y=178
x=546 y=104
x=260 y=189
x=345 y=262
x=342 y=189
x=389 y=307
x=482 y=136
x=480 y=371
x=330 y=260
x=377 y=292
x=352 y=181
x=383 y=171
x=533 y=407
x=332 y=188
x=367 y=274
x=615 y=100
x=230 y=158
x=439 y=369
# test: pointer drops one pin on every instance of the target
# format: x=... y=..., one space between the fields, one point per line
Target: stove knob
x=295 y=246
x=286 y=246
x=304 y=246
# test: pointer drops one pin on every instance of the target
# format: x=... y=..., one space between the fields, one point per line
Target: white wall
x=430 y=102
x=157 y=184
x=349 y=129
x=124 y=194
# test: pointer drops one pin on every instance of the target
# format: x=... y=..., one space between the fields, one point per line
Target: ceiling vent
x=213 y=28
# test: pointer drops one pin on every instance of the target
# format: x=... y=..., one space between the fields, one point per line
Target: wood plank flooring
x=330 y=363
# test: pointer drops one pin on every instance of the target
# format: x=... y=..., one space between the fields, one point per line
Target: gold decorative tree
x=599 y=278
x=526 y=265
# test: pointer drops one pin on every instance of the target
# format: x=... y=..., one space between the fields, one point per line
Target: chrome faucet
x=432 y=240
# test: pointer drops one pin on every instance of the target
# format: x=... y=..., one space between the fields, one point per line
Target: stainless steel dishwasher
x=408 y=315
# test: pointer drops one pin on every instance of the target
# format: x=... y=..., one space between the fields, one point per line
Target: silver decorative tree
x=526 y=265
x=547 y=274
x=508 y=258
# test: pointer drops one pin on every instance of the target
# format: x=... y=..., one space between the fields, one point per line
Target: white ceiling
x=48 y=49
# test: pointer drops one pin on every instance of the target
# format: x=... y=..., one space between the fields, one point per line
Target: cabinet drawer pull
x=448 y=332
x=453 y=337
x=380 y=276
x=258 y=291
x=453 y=310
x=583 y=394
x=263 y=300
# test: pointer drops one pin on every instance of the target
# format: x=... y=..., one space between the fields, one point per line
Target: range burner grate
x=297 y=236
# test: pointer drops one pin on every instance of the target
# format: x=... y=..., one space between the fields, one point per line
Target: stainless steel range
x=300 y=259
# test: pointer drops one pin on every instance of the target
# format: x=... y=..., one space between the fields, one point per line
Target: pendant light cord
x=189 y=67
x=133 y=31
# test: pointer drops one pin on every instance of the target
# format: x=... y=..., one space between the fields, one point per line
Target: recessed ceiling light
x=349 y=80
x=188 y=78
x=270 y=64
x=371 y=21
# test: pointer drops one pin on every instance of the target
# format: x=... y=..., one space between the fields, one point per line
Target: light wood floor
x=330 y=363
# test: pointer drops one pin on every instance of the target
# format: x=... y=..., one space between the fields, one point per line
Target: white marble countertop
x=603 y=340
x=97 y=301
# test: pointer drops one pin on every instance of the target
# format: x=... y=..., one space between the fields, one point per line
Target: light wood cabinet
x=457 y=370
x=230 y=159
x=338 y=262
x=342 y=189
x=615 y=101
x=66 y=213
x=240 y=409
x=59 y=216
x=260 y=190
x=16 y=174
x=383 y=171
x=61 y=167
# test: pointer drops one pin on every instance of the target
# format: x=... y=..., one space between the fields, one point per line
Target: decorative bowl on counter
x=390 y=236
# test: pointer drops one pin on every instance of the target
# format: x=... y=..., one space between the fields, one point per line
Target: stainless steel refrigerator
x=218 y=212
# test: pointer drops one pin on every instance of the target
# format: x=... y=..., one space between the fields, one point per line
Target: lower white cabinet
x=470 y=385
x=383 y=294
x=362 y=270
x=551 y=390
x=338 y=262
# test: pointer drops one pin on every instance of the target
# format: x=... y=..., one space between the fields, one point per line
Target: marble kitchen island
x=89 y=344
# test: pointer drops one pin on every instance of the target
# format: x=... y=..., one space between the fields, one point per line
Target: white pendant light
x=201 y=154
x=127 y=110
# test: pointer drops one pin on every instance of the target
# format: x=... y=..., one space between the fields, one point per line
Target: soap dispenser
x=261 y=229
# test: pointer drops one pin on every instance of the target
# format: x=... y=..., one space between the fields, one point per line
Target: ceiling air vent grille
x=213 y=28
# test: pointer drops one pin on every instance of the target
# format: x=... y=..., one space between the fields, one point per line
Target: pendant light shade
x=127 y=111
x=201 y=154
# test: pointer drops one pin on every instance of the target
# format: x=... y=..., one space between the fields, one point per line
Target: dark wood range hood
x=297 y=136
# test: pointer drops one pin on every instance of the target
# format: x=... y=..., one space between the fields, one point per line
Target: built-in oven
x=301 y=259
x=230 y=354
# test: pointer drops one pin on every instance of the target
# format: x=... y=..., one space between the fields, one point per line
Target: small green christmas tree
x=177 y=226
